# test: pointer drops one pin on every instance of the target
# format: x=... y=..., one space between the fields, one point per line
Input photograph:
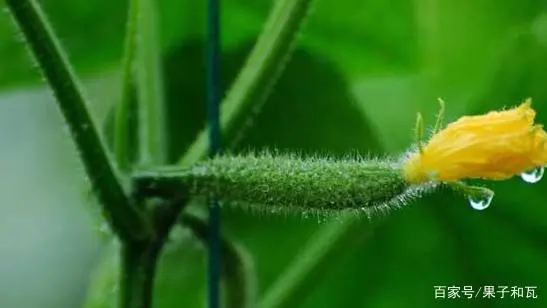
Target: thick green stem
x=123 y=109
x=123 y=216
x=266 y=61
x=285 y=182
x=152 y=141
x=138 y=269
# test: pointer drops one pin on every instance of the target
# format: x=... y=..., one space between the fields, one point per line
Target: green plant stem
x=138 y=269
x=237 y=272
x=121 y=120
x=123 y=216
x=266 y=60
x=152 y=140
x=139 y=260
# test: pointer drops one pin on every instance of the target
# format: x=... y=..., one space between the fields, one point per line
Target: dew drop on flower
x=480 y=202
x=533 y=176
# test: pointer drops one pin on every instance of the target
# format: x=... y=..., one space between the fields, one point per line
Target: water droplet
x=533 y=176
x=480 y=202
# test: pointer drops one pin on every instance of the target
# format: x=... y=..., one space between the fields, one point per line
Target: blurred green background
x=358 y=75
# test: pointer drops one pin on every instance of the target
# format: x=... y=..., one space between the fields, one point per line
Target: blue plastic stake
x=213 y=97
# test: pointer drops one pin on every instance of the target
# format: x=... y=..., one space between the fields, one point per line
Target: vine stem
x=138 y=269
x=123 y=108
x=151 y=126
x=125 y=219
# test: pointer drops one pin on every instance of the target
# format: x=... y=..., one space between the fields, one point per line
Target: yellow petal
x=493 y=146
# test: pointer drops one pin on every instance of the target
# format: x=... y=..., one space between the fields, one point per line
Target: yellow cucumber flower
x=493 y=146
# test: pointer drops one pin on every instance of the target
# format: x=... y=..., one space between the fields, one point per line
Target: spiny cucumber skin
x=289 y=181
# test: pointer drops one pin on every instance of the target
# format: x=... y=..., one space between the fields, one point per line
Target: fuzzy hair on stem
x=285 y=182
x=124 y=217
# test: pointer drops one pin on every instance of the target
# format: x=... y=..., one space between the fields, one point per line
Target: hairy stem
x=257 y=75
x=123 y=216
